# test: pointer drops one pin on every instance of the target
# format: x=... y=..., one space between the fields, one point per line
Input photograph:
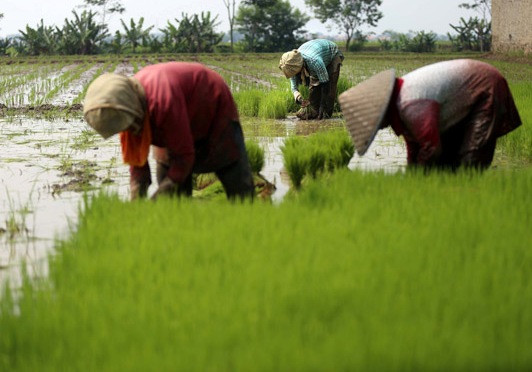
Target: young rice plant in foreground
x=362 y=271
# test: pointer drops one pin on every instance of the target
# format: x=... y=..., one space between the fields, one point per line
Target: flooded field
x=47 y=167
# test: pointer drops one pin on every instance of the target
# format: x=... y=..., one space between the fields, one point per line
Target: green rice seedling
x=343 y=85
x=248 y=101
x=338 y=147
x=84 y=140
x=519 y=142
x=255 y=155
x=273 y=105
x=16 y=221
x=294 y=160
x=316 y=160
x=363 y=271
x=321 y=151
x=105 y=67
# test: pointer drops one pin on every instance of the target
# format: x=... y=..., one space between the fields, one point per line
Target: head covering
x=113 y=103
x=291 y=63
x=364 y=107
x=108 y=121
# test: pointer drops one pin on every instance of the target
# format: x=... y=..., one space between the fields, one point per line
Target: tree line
x=264 y=26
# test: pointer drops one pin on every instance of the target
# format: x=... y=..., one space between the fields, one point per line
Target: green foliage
x=136 y=34
x=518 y=144
x=82 y=35
x=248 y=101
x=361 y=272
x=39 y=40
x=315 y=154
x=194 y=34
x=270 y=26
x=473 y=34
x=273 y=105
x=5 y=44
x=357 y=42
x=343 y=84
x=347 y=15
x=255 y=155
x=420 y=42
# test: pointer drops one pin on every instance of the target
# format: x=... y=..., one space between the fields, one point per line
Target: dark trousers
x=236 y=178
x=333 y=69
x=467 y=145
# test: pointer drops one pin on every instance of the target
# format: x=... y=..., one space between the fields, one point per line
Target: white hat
x=364 y=107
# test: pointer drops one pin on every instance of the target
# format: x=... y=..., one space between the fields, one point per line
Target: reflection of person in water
x=316 y=64
x=449 y=113
x=187 y=112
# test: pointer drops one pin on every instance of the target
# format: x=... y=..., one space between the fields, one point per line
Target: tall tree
x=475 y=33
x=483 y=7
x=270 y=25
x=347 y=15
x=135 y=34
x=106 y=8
x=83 y=34
x=231 y=15
x=39 y=40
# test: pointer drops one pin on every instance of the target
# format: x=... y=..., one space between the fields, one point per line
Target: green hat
x=364 y=107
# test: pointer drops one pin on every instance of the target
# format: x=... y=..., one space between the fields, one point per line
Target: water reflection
x=46 y=165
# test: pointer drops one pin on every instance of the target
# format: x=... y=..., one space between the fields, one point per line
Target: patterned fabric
x=317 y=55
x=451 y=113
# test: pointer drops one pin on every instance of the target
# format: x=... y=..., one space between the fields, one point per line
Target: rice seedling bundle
x=319 y=152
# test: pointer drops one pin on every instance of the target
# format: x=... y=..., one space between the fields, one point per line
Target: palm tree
x=83 y=35
x=135 y=34
x=39 y=40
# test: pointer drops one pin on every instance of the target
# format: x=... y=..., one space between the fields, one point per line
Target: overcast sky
x=399 y=15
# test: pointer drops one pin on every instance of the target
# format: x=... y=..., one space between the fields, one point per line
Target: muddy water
x=46 y=167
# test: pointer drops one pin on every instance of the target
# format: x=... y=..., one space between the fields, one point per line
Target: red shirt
x=191 y=110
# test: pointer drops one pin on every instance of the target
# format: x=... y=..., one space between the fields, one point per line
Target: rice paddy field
x=358 y=266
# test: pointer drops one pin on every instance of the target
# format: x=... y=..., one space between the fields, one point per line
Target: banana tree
x=135 y=34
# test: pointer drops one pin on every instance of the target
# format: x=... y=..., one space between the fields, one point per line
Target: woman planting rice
x=187 y=112
x=449 y=113
x=316 y=64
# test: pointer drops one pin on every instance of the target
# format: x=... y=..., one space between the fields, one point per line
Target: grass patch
x=273 y=105
x=319 y=152
x=518 y=144
x=363 y=271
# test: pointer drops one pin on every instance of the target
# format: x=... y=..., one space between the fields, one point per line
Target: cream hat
x=291 y=63
x=113 y=103
x=364 y=107
x=109 y=121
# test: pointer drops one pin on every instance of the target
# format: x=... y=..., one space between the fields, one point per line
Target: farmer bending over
x=187 y=112
x=315 y=64
x=449 y=113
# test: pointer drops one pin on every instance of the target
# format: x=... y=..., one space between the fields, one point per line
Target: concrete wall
x=511 y=25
